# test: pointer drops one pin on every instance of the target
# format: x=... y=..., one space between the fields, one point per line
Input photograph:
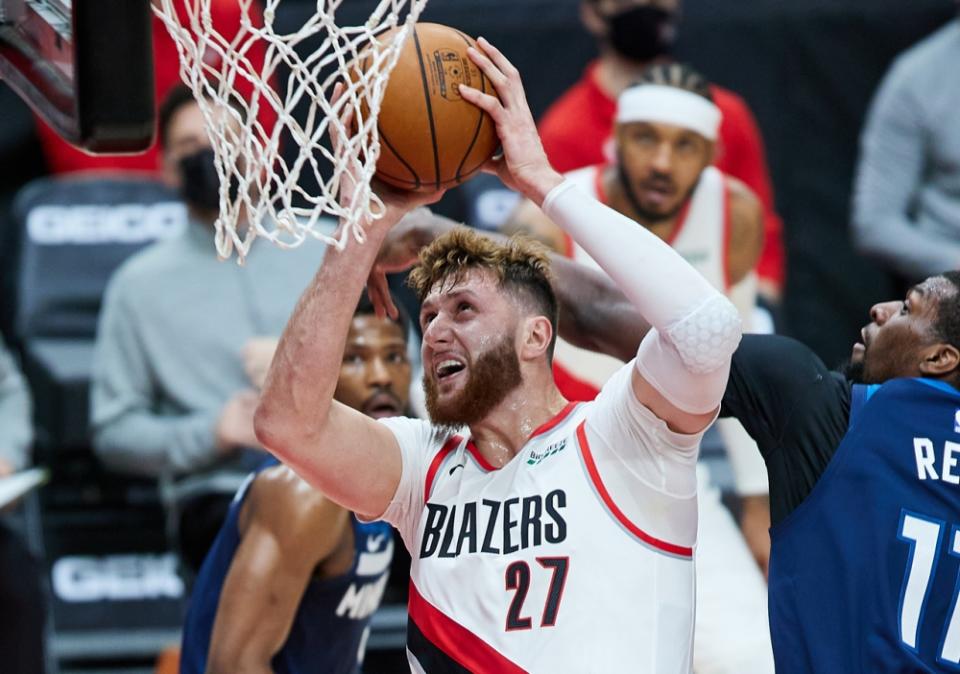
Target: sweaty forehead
x=479 y=282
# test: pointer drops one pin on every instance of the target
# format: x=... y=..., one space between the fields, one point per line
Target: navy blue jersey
x=329 y=631
x=864 y=573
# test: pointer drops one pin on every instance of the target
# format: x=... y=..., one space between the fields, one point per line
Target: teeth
x=446 y=366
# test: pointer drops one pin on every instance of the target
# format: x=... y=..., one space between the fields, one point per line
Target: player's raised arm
x=345 y=454
x=683 y=362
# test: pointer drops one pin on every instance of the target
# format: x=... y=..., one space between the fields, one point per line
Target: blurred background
x=808 y=70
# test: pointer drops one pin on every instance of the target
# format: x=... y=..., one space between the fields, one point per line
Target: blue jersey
x=864 y=574
x=328 y=634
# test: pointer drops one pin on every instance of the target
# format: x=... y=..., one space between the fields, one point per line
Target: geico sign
x=116 y=578
x=123 y=223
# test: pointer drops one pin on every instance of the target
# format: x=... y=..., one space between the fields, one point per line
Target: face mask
x=642 y=33
x=201 y=184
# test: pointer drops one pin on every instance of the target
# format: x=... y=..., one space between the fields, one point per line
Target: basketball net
x=259 y=191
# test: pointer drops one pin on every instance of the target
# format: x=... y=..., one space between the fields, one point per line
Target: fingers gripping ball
x=430 y=138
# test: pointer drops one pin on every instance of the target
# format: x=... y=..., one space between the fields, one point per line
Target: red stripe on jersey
x=478 y=457
x=448 y=447
x=457 y=641
x=553 y=423
x=540 y=430
x=612 y=507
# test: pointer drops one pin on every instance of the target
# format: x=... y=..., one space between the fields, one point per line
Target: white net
x=260 y=193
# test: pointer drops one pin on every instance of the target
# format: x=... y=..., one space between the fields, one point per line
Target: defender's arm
x=287 y=529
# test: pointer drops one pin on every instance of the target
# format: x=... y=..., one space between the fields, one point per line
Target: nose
x=437 y=333
x=663 y=158
x=881 y=313
x=378 y=374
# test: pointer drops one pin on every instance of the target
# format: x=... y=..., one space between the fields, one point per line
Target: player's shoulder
x=417 y=435
x=777 y=356
x=746 y=209
x=285 y=504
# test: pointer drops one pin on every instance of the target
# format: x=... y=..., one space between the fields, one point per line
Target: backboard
x=85 y=66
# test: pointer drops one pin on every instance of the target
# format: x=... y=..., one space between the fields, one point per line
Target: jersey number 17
x=924 y=535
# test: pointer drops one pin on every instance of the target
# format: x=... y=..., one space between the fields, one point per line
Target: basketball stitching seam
x=386 y=141
x=426 y=95
x=476 y=131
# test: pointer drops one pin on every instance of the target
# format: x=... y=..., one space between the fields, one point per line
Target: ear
x=939 y=360
x=536 y=337
x=591 y=19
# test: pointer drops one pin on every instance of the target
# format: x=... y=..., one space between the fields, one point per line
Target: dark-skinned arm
x=287 y=530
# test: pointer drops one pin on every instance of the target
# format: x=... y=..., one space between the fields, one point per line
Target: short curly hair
x=521 y=265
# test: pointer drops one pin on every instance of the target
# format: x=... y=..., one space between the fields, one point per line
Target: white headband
x=669 y=105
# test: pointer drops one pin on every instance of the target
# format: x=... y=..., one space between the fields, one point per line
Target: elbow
x=281 y=431
x=706 y=339
x=272 y=428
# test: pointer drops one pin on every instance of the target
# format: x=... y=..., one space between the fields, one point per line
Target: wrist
x=539 y=185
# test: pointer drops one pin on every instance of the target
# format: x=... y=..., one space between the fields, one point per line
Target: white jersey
x=576 y=556
x=702 y=230
x=701 y=237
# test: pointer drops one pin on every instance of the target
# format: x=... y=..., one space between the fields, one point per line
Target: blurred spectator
x=22 y=602
x=906 y=208
x=577 y=129
x=226 y=17
x=173 y=390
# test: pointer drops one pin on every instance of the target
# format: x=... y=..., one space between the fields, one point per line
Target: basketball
x=430 y=138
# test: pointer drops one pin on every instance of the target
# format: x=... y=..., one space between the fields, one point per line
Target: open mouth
x=447 y=368
x=382 y=405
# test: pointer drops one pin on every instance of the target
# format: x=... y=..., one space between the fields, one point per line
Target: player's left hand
x=524 y=166
x=755 y=526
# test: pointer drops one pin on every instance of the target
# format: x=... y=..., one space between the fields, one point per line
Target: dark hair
x=175 y=99
x=679 y=75
x=365 y=308
x=521 y=265
x=178 y=97
x=947 y=322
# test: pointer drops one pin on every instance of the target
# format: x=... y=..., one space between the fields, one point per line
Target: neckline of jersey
x=546 y=426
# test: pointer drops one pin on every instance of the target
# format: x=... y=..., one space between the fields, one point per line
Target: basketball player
x=632 y=35
x=293 y=578
x=864 y=475
x=555 y=537
x=665 y=137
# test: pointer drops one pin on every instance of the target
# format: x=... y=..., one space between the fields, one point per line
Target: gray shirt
x=168 y=353
x=906 y=208
x=16 y=431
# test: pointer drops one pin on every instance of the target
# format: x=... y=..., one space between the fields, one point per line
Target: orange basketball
x=430 y=138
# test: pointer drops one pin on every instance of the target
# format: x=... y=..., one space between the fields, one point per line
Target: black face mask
x=201 y=184
x=642 y=33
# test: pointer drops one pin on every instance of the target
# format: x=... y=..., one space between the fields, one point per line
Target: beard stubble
x=494 y=375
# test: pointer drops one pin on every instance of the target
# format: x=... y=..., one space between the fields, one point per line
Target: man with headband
x=666 y=131
x=631 y=36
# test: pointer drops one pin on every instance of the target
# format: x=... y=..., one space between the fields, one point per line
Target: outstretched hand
x=524 y=166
